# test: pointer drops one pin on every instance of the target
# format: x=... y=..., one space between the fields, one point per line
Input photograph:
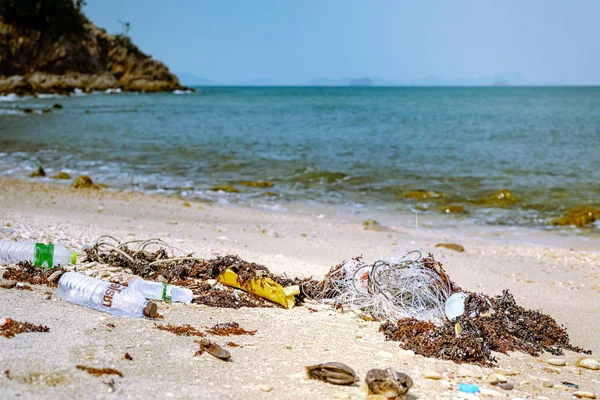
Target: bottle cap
x=150 y=310
x=73 y=258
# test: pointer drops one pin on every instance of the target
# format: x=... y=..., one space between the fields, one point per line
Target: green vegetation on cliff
x=56 y=17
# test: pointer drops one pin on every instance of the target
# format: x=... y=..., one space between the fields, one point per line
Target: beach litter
x=213 y=349
x=264 y=287
x=468 y=388
x=335 y=373
x=99 y=371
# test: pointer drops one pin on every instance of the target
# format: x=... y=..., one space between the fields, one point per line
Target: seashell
x=332 y=372
x=389 y=383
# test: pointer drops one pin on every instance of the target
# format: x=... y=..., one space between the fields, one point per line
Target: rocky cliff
x=36 y=61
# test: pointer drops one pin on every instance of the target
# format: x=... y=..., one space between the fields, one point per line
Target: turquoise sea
x=348 y=147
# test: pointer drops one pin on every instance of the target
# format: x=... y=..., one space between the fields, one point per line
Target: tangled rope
x=401 y=287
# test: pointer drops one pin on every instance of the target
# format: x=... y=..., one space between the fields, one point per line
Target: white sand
x=539 y=268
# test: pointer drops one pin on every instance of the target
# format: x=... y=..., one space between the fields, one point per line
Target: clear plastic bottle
x=161 y=291
x=104 y=296
x=40 y=254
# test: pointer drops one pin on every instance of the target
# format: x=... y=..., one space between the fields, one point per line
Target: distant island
x=49 y=46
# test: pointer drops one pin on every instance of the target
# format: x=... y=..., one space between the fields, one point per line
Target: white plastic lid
x=455 y=305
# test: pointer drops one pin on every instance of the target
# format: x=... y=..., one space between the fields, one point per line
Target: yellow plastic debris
x=264 y=287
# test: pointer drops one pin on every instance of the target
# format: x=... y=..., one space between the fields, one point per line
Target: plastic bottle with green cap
x=39 y=254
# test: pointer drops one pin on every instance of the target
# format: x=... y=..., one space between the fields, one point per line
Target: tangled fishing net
x=407 y=286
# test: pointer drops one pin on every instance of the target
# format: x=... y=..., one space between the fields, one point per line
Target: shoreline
x=563 y=283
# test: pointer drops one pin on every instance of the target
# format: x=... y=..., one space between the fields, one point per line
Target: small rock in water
x=588 y=363
x=584 y=395
x=557 y=362
x=38 y=172
x=432 y=375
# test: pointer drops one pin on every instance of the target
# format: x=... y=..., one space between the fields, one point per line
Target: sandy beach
x=559 y=275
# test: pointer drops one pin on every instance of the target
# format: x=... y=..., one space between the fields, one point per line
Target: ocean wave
x=181 y=91
x=10 y=97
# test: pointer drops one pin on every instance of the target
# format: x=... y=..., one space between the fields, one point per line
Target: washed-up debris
x=127 y=356
x=468 y=388
x=452 y=246
x=332 y=372
x=22 y=286
x=230 y=328
x=9 y=328
x=500 y=325
x=194 y=273
x=181 y=330
x=26 y=272
x=389 y=383
x=213 y=349
x=264 y=287
x=408 y=286
x=99 y=371
x=7 y=283
x=232 y=344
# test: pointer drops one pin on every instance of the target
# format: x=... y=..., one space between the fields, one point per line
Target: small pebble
x=584 y=395
x=552 y=370
x=506 y=372
x=506 y=386
x=588 y=363
x=560 y=386
x=432 y=375
x=465 y=372
x=557 y=362
x=406 y=353
x=547 y=384
x=490 y=393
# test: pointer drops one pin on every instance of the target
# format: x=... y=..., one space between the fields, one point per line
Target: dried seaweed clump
x=25 y=271
x=180 y=330
x=99 y=371
x=10 y=328
x=229 y=328
x=500 y=325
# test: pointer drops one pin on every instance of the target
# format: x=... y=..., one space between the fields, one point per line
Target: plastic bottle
x=161 y=291
x=40 y=254
x=104 y=296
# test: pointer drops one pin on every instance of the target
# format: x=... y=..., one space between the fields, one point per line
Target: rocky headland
x=57 y=56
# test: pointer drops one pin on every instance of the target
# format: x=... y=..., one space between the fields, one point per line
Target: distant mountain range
x=503 y=79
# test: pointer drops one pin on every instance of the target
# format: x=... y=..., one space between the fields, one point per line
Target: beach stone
x=57 y=106
x=38 y=172
x=552 y=370
x=584 y=395
x=62 y=175
x=83 y=182
x=557 y=362
x=560 y=386
x=506 y=386
x=588 y=363
x=547 y=384
x=432 y=375
x=492 y=379
x=452 y=246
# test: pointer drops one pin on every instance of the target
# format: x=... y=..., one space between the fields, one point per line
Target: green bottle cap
x=73 y=258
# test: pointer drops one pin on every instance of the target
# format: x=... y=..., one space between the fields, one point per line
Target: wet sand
x=556 y=274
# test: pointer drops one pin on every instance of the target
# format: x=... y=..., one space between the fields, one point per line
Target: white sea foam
x=181 y=91
x=9 y=97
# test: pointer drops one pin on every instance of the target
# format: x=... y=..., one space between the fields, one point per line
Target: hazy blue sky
x=294 y=41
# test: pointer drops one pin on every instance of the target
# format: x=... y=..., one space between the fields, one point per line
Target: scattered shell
x=588 y=363
x=214 y=350
x=55 y=275
x=432 y=375
x=392 y=384
x=557 y=362
x=584 y=395
x=266 y=388
x=332 y=372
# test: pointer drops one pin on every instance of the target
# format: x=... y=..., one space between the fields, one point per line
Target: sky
x=292 y=41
